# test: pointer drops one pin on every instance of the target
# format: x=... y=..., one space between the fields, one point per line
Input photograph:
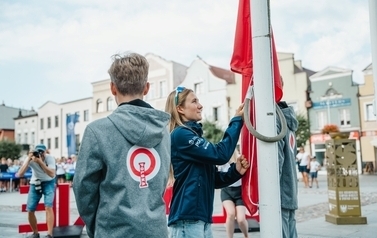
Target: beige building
x=296 y=82
x=368 y=120
x=297 y=88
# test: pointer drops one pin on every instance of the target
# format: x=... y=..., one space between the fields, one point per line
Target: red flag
x=242 y=63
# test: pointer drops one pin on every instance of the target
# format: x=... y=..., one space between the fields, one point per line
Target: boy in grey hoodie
x=123 y=163
x=287 y=170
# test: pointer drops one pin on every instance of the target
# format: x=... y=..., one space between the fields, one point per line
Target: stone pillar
x=343 y=183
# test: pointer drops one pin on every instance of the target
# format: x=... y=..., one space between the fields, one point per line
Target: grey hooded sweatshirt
x=122 y=171
x=287 y=159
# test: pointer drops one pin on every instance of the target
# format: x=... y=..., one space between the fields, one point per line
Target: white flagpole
x=268 y=176
x=373 y=36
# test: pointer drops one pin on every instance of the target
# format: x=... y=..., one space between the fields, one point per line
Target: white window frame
x=198 y=88
x=110 y=104
x=344 y=117
x=163 y=89
x=32 y=137
x=99 y=105
x=321 y=119
x=369 y=112
x=215 y=113
x=86 y=115
x=19 y=138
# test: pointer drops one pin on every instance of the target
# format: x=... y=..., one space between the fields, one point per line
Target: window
x=56 y=121
x=99 y=107
x=78 y=116
x=19 y=138
x=56 y=142
x=86 y=115
x=32 y=137
x=163 y=89
x=344 y=116
x=110 y=104
x=321 y=119
x=48 y=143
x=369 y=110
x=42 y=141
x=48 y=122
x=198 y=87
x=26 y=138
x=215 y=113
x=152 y=91
x=41 y=123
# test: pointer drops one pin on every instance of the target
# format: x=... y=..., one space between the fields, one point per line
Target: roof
x=225 y=74
x=369 y=67
x=9 y=113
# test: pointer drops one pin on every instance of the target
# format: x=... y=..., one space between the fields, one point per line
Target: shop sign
x=340 y=102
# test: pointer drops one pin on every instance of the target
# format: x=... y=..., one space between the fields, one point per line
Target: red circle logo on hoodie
x=143 y=164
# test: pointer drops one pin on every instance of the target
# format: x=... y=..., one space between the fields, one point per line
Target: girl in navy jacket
x=194 y=161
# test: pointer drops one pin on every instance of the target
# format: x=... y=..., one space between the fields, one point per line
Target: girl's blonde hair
x=171 y=107
x=174 y=100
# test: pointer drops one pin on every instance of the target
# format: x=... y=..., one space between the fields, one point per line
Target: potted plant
x=334 y=132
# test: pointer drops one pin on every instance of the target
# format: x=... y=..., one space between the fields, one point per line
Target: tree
x=212 y=132
x=303 y=130
x=10 y=149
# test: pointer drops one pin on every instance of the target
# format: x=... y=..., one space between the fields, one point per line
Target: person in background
x=314 y=166
x=60 y=171
x=231 y=198
x=43 y=183
x=304 y=159
x=74 y=161
x=68 y=167
x=123 y=162
x=4 y=184
x=194 y=159
x=287 y=148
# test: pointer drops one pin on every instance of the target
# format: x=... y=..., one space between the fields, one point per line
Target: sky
x=53 y=50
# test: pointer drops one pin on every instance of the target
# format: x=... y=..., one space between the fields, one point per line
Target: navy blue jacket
x=194 y=161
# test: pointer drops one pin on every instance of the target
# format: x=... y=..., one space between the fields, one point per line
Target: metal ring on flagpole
x=284 y=128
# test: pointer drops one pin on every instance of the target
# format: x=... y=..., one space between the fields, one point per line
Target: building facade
x=163 y=77
x=334 y=101
x=25 y=128
x=368 y=120
x=210 y=85
x=7 y=125
x=52 y=124
x=297 y=87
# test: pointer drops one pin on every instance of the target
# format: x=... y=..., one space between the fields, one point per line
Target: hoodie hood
x=290 y=116
x=140 y=125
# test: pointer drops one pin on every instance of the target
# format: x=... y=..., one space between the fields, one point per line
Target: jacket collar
x=195 y=126
x=136 y=102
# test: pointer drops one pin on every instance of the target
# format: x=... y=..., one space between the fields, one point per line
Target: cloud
x=72 y=41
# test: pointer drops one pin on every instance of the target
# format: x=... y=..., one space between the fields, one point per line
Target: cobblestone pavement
x=314 y=211
x=312 y=205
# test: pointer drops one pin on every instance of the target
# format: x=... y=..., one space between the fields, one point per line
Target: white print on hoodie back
x=143 y=164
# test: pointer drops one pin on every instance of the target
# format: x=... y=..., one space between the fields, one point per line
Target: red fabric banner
x=242 y=63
